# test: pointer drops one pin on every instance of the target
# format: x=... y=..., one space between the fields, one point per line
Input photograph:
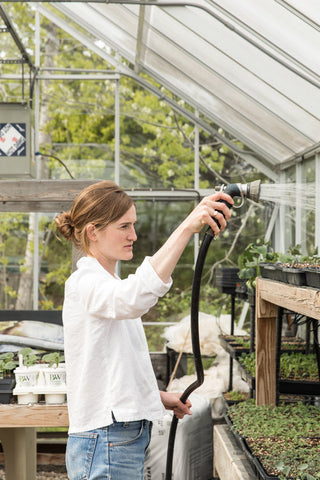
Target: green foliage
x=7 y=364
x=236 y=396
x=285 y=438
x=29 y=357
x=53 y=358
x=249 y=260
x=13 y=235
x=294 y=256
x=293 y=366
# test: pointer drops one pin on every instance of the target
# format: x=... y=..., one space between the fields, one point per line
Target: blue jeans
x=116 y=452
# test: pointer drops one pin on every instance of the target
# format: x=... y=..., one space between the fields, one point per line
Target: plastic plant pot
x=54 y=397
x=26 y=398
x=55 y=376
x=26 y=377
x=54 y=387
x=6 y=388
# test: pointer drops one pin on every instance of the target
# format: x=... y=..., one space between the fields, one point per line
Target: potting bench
x=270 y=295
x=18 y=424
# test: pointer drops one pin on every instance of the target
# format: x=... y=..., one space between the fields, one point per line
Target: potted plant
x=7 y=379
x=54 y=373
x=234 y=396
x=26 y=375
x=226 y=279
x=301 y=270
x=235 y=345
x=312 y=271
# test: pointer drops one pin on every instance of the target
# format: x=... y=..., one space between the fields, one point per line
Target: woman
x=112 y=391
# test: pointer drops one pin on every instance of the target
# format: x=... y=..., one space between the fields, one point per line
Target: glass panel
x=308 y=216
x=269 y=20
x=231 y=81
x=290 y=215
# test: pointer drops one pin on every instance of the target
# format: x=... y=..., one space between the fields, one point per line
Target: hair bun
x=65 y=225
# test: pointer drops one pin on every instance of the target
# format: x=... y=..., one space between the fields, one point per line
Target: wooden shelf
x=269 y=296
x=35 y=415
x=303 y=300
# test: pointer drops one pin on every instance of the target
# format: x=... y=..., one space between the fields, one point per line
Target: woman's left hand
x=171 y=401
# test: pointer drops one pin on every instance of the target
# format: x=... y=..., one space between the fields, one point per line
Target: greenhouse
x=176 y=102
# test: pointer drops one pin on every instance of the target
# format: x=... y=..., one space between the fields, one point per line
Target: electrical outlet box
x=15 y=141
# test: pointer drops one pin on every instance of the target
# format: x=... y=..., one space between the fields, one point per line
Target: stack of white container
x=40 y=379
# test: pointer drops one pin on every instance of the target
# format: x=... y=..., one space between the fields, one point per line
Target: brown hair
x=100 y=204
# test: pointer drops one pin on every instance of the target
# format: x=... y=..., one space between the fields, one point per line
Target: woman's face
x=114 y=242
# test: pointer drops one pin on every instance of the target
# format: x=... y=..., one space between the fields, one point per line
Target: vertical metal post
x=298 y=232
x=196 y=179
x=233 y=297
x=35 y=149
x=280 y=224
x=117 y=146
x=317 y=202
x=37 y=94
x=117 y=133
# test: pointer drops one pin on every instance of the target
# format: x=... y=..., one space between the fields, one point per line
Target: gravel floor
x=44 y=473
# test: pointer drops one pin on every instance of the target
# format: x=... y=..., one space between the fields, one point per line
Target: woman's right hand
x=209 y=210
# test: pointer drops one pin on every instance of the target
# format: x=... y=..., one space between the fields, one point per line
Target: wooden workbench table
x=18 y=424
x=269 y=296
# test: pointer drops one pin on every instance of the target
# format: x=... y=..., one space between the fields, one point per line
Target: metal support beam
x=298 y=229
x=140 y=35
x=271 y=223
x=10 y=28
x=317 y=202
x=196 y=236
x=117 y=133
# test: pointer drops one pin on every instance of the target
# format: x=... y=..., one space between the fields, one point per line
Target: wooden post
x=266 y=314
x=20 y=453
x=18 y=435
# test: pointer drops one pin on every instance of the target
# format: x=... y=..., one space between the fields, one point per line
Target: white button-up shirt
x=107 y=359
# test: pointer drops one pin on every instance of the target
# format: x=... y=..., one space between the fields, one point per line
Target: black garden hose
x=195 y=345
x=249 y=190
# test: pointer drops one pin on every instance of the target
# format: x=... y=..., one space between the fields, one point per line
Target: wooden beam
x=36 y=415
x=39 y=195
x=57 y=195
x=303 y=300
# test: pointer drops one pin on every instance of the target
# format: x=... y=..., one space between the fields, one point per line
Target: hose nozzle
x=249 y=190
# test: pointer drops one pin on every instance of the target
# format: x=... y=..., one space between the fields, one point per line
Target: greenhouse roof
x=251 y=67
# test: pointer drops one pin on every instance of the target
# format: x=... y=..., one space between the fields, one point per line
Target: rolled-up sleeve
x=103 y=295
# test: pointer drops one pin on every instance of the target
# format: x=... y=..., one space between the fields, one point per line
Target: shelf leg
x=20 y=452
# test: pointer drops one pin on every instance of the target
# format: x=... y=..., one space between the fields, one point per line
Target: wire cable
x=58 y=159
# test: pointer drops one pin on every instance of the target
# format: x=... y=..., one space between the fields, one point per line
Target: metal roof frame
x=260 y=86
x=249 y=66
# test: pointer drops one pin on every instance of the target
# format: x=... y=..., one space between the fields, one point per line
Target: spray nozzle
x=244 y=190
